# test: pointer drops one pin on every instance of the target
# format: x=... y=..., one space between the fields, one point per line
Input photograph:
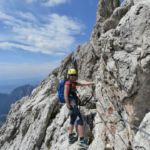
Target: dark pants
x=76 y=117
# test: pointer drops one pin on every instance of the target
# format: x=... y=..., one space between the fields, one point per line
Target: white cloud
x=50 y=3
x=56 y=36
x=26 y=15
x=30 y=1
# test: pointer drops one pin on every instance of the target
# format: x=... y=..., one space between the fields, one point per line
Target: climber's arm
x=66 y=96
x=84 y=83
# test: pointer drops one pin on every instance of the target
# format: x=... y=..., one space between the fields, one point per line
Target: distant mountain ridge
x=7 y=85
x=7 y=99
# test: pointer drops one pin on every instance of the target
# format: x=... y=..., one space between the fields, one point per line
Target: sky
x=35 y=35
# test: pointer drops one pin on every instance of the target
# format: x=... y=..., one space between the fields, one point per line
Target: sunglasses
x=73 y=75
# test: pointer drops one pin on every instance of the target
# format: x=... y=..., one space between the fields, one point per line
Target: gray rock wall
x=117 y=59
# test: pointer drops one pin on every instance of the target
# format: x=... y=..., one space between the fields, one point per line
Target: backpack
x=60 y=91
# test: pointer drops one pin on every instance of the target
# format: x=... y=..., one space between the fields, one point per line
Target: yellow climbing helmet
x=72 y=72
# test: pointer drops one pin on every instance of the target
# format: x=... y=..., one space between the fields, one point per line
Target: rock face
x=117 y=58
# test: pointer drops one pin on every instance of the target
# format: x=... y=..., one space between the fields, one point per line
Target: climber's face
x=73 y=77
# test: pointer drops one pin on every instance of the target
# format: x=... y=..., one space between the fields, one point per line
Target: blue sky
x=35 y=35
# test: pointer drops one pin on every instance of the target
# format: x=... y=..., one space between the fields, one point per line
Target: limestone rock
x=117 y=59
x=142 y=137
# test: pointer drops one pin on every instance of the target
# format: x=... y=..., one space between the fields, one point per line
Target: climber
x=71 y=100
